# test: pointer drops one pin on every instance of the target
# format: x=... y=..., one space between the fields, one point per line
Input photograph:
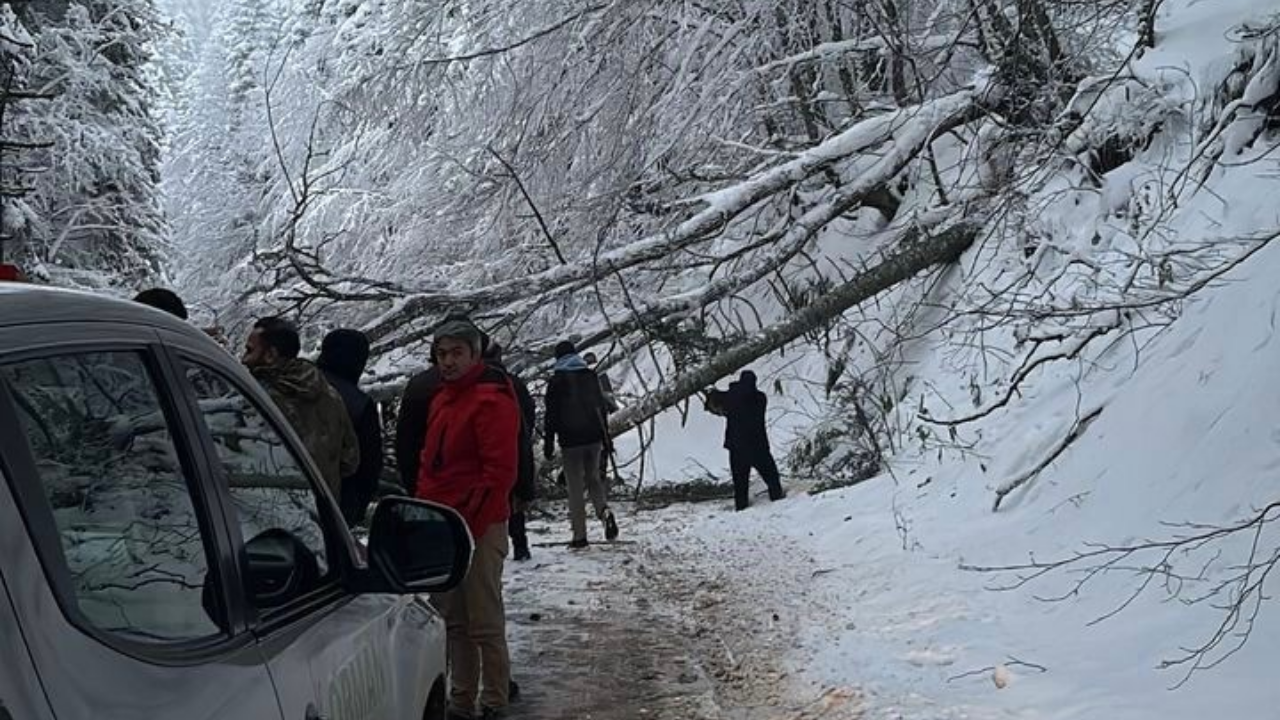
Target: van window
x=131 y=541
x=268 y=486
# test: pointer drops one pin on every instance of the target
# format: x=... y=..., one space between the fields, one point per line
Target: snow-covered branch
x=899 y=136
x=906 y=262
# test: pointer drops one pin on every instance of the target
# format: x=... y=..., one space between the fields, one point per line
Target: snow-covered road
x=661 y=627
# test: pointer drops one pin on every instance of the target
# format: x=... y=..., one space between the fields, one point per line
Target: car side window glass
x=272 y=495
x=121 y=499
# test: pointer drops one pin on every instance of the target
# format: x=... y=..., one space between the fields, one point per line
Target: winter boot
x=521 y=554
x=578 y=544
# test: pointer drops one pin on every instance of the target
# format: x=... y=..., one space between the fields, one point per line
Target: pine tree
x=220 y=163
x=16 y=49
x=96 y=204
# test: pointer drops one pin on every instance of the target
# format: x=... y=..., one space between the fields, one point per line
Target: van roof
x=23 y=304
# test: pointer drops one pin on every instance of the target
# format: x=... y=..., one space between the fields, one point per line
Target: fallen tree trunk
x=907 y=130
x=908 y=261
x=784 y=244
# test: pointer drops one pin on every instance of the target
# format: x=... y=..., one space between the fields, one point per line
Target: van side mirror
x=280 y=568
x=417 y=547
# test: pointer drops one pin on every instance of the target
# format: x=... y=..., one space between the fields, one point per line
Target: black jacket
x=411 y=425
x=411 y=429
x=359 y=488
x=577 y=413
x=526 y=482
x=745 y=408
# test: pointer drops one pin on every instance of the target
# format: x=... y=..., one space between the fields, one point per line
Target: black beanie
x=564 y=347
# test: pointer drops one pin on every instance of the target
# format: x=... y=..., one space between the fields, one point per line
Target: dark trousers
x=355 y=503
x=742 y=462
x=604 y=469
x=519 y=535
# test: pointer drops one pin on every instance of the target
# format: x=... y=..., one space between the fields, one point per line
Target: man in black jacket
x=746 y=437
x=411 y=424
x=343 y=356
x=578 y=417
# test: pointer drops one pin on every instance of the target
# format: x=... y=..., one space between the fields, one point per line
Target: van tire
x=437 y=702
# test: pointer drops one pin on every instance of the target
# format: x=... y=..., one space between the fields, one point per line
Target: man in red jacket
x=469 y=462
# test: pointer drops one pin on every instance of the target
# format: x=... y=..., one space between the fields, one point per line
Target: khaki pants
x=582 y=475
x=476 y=620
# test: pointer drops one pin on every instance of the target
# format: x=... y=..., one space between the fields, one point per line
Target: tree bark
x=1147 y=23
x=911 y=259
x=1036 y=18
x=895 y=45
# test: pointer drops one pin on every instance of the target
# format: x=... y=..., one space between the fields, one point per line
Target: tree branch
x=902 y=265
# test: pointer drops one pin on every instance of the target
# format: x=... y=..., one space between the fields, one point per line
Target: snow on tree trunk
x=911 y=259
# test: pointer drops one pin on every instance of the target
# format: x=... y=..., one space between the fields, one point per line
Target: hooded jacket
x=470 y=458
x=577 y=413
x=343 y=357
x=317 y=414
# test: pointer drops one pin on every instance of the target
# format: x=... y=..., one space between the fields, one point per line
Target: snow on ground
x=654 y=629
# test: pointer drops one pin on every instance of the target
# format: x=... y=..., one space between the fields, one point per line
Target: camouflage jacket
x=317 y=414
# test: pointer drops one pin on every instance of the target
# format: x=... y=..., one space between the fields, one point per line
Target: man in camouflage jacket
x=309 y=402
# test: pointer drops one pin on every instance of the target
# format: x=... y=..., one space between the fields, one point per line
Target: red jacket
x=470 y=457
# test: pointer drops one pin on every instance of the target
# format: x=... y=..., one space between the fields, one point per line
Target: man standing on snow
x=343 y=356
x=309 y=403
x=746 y=437
x=577 y=416
x=469 y=462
